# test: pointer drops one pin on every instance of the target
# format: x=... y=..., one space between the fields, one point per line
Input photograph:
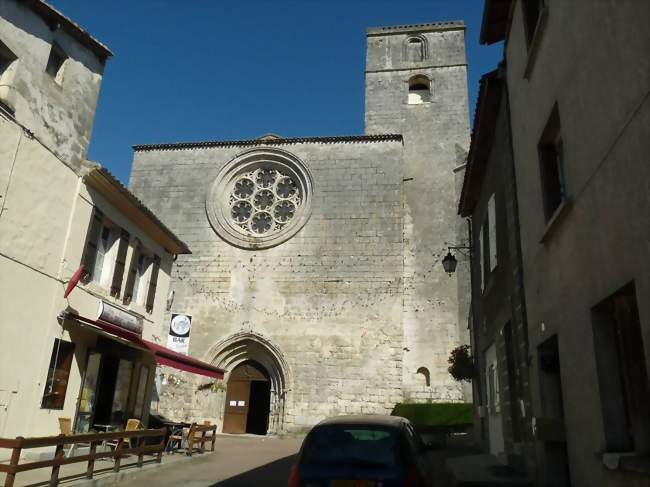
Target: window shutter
x=118 y=272
x=151 y=295
x=497 y=397
x=133 y=269
x=492 y=232
x=90 y=250
x=480 y=259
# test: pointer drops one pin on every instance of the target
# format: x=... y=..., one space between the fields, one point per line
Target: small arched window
x=415 y=49
x=425 y=372
x=419 y=90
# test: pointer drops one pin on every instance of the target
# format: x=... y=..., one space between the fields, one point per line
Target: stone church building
x=315 y=278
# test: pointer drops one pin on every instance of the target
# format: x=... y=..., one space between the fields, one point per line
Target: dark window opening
x=57 y=375
x=551 y=164
x=419 y=90
x=55 y=62
x=7 y=57
x=427 y=376
x=622 y=371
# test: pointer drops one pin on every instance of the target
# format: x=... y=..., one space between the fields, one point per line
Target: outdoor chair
x=65 y=426
x=198 y=435
x=177 y=436
x=131 y=425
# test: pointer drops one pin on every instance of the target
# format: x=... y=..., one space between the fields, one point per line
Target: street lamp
x=449 y=262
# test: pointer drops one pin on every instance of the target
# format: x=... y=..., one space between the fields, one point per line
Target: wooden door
x=237 y=403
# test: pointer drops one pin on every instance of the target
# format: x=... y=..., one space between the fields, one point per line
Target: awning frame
x=162 y=355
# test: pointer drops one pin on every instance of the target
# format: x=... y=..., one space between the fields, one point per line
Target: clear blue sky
x=233 y=69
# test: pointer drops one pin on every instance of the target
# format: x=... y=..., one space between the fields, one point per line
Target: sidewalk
x=465 y=465
x=483 y=470
x=75 y=473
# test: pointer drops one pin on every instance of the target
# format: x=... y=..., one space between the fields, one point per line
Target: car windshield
x=367 y=446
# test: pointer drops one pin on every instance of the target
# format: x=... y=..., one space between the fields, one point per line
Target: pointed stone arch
x=250 y=346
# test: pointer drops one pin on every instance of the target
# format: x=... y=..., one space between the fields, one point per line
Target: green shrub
x=436 y=414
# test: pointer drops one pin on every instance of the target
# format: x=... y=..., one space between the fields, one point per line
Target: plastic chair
x=131 y=425
x=65 y=426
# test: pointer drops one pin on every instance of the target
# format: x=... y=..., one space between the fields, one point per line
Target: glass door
x=88 y=396
x=141 y=392
x=121 y=395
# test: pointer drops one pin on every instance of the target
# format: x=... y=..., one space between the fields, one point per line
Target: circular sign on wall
x=260 y=199
x=180 y=325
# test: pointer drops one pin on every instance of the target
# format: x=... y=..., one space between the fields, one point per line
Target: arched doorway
x=252 y=348
x=248 y=400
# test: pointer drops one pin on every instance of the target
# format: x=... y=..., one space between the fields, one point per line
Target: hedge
x=435 y=414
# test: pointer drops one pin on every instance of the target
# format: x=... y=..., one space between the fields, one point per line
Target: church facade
x=315 y=278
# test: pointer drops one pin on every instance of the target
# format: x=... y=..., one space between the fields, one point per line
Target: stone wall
x=329 y=299
x=343 y=314
x=436 y=138
x=598 y=242
x=59 y=110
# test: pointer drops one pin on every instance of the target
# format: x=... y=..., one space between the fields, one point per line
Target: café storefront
x=118 y=370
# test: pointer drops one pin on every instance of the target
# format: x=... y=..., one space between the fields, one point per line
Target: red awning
x=163 y=355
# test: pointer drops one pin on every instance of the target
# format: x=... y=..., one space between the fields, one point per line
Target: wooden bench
x=198 y=434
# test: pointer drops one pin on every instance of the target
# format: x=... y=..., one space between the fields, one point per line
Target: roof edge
x=484 y=114
x=55 y=18
x=100 y=177
x=495 y=21
x=259 y=142
x=430 y=26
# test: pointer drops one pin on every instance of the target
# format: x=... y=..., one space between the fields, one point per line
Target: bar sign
x=179 y=333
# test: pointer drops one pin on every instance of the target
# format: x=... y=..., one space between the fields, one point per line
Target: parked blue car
x=362 y=451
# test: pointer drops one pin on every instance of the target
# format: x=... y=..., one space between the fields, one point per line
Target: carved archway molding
x=243 y=346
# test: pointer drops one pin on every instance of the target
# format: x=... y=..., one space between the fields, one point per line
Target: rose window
x=260 y=199
x=264 y=201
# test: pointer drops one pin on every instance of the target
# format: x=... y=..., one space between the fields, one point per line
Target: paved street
x=241 y=461
x=253 y=461
x=248 y=461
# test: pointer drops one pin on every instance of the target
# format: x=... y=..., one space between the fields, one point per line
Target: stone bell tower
x=416 y=85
